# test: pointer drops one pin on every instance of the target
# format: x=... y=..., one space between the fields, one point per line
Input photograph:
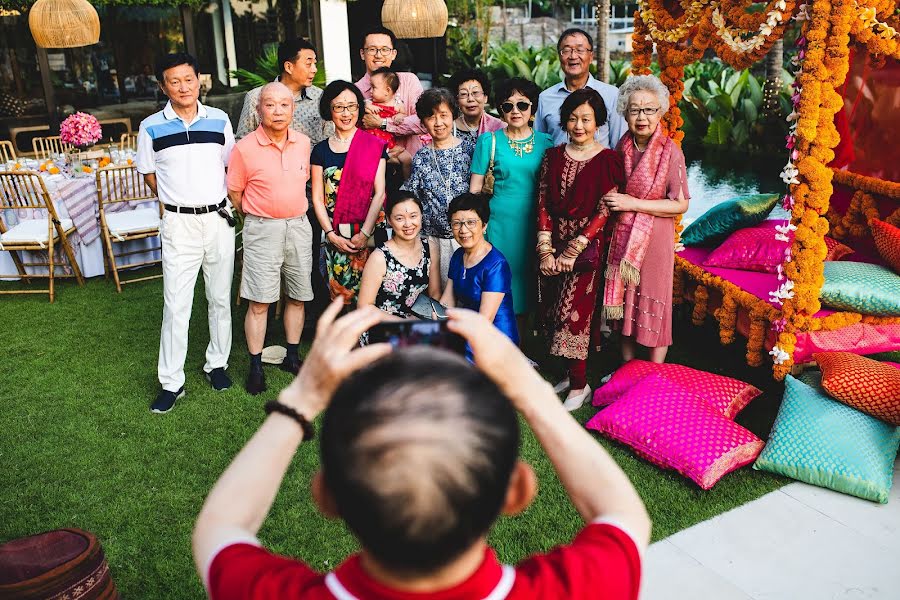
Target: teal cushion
x=820 y=441
x=723 y=219
x=861 y=287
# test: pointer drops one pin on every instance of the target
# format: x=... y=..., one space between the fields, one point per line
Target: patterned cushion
x=713 y=226
x=863 y=383
x=861 y=287
x=674 y=428
x=823 y=442
x=836 y=250
x=749 y=249
x=726 y=395
x=887 y=240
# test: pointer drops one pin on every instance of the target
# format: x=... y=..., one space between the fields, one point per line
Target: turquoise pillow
x=723 y=219
x=820 y=441
x=861 y=287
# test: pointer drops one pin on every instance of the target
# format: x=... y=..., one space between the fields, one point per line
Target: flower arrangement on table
x=80 y=130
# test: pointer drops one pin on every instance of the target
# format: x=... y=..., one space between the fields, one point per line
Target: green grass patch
x=80 y=448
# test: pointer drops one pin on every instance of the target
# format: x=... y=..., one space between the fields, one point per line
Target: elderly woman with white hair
x=638 y=293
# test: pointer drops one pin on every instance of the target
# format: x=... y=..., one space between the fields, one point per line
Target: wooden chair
x=46 y=147
x=7 y=151
x=125 y=184
x=25 y=191
x=128 y=142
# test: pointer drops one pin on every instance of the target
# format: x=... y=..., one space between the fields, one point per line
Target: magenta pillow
x=726 y=395
x=750 y=249
x=756 y=249
x=675 y=428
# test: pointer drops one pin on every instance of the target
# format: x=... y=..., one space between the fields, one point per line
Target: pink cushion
x=674 y=428
x=726 y=395
x=756 y=249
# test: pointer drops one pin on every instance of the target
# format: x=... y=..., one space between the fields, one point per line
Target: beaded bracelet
x=275 y=406
x=363 y=231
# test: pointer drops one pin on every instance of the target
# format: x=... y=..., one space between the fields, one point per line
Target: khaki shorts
x=273 y=247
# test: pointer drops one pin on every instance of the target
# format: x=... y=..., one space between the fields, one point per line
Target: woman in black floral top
x=402 y=268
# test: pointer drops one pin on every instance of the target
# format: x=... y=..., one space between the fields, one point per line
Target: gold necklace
x=521 y=147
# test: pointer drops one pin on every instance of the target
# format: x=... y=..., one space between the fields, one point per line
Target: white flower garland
x=774 y=18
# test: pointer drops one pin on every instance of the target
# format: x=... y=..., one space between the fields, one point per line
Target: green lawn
x=79 y=447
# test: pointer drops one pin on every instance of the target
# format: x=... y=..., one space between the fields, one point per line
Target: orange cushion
x=887 y=240
x=865 y=384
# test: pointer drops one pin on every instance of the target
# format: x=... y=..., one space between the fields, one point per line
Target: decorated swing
x=781 y=312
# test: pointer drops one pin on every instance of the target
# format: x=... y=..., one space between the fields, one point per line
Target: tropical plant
x=722 y=108
x=267 y=69
x=540 y=65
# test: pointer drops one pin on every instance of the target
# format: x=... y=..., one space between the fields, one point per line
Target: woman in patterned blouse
x=402 y=268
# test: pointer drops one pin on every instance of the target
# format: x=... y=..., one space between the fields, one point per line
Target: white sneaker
x=562 y=386
x=575 y=402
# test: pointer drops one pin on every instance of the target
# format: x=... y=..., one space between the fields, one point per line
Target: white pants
x=190 y=242
x=445 y=249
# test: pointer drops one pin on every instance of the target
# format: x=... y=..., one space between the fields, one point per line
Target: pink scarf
x=631 y=233
x=354 y=194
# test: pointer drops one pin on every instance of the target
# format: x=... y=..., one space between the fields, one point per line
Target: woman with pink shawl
x=638 y=294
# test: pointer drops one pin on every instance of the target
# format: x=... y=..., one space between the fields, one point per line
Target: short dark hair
x=417 y=450
x=289 y=50
x=574 y=31
x=480 y=203
x=167 y=61
x=398 y=197
x=588 y=96
x=390 y=77
x=460 y=77
x=378 y=30
x=508 y=87
x=335 y=89
x=431 y=99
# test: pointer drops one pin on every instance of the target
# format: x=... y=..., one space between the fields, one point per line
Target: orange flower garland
x=876 y=27
x=701 y=297
x=727 y=317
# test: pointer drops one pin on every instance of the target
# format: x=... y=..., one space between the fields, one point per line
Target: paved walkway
x=797 y=543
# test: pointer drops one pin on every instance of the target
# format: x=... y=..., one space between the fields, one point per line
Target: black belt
x=202 y=210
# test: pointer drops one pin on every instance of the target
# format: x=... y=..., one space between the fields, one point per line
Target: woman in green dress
x=517 y=152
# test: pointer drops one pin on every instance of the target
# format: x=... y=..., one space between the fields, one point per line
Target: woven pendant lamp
x=64 y=23
x=415 y=18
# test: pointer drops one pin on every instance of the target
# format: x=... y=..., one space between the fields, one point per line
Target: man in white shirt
x=576 y=53
x=182 y=152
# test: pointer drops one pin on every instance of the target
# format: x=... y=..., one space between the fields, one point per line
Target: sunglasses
x=507 y=107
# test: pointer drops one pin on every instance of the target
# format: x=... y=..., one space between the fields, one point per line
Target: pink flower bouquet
x=81 y=130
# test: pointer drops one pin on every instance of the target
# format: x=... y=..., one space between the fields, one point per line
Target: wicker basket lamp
x=64 y=23
x=415 y=18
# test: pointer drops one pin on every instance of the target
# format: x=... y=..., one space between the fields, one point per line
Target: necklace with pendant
x=445 y=180
x=521 y=147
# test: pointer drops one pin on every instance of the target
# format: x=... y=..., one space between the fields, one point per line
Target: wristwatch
x=384 y=124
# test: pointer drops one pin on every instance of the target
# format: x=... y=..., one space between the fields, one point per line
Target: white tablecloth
x=76 y=198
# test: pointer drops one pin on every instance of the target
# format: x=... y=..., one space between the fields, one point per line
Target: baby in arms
x=385 y=84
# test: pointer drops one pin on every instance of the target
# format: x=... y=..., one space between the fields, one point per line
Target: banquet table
x=75 y=197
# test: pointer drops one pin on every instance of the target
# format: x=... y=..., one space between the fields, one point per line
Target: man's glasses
x=647 y=112
x=574 y=52
x=342 y=108
x=465 y=95
x=507 y=107
x=383 y=51
x=470 y=224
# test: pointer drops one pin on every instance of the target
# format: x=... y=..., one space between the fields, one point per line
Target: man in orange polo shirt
x=267 y=179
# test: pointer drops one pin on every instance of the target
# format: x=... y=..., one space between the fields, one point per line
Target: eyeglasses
x=470 y=224
x=342 y=108
x=574 y=51
x=507 y=107
x=383 y=51
x=476 y=95
x=647 y=112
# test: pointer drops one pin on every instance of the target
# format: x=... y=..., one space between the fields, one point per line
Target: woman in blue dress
x=479 y=277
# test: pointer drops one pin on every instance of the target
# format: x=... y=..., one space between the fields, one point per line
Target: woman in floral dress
x=350 y=211
x=403 y=267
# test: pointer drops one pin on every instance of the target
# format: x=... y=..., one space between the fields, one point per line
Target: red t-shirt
x=601 y=563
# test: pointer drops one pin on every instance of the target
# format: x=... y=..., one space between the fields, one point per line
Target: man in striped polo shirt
x=182 y=152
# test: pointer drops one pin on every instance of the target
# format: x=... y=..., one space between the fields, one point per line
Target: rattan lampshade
x=415 y=18
x=64 y=23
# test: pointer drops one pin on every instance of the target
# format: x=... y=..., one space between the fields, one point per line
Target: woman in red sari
x=571 y=216
x=638 y=295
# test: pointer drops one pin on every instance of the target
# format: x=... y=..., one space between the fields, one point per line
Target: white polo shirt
x=189 y=159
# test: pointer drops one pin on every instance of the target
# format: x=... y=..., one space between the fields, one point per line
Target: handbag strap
x=493 y=150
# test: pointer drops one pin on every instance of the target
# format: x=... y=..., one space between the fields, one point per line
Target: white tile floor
x=798 y=543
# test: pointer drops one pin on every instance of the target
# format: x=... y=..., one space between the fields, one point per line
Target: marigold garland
x=701 y=297
x=727 y=317
x=880 y=37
